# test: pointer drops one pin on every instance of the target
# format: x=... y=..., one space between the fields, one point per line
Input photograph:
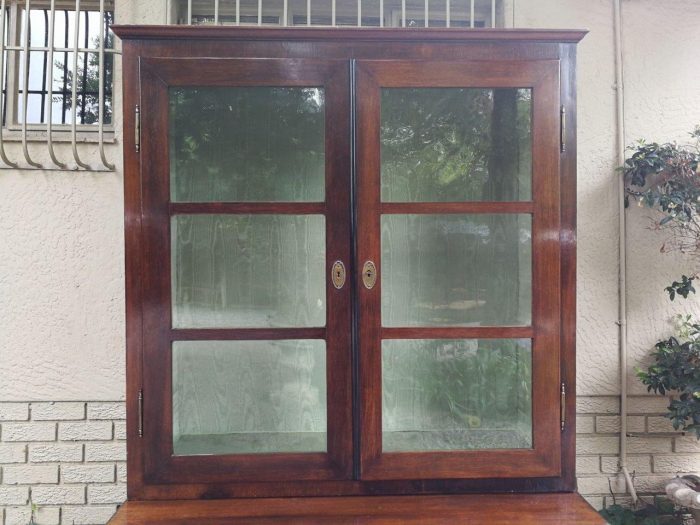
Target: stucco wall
x=62 y=272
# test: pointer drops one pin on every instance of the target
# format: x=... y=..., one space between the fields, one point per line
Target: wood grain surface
x=477 y=509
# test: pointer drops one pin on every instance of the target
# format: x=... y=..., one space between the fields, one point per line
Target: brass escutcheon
x=338 y=274
x=369 y=275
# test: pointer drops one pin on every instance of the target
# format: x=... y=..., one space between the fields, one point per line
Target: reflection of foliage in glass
x=464 y=385
x=437 y=143
x=243 y=144
x=88 y=86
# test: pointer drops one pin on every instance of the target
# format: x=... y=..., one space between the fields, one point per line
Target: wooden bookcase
x=357 y=71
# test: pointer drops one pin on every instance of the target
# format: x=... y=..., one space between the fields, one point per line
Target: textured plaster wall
x=597 y=220
x=61 y=233
x=662 y=69
x=662 y=82
x=62 y=268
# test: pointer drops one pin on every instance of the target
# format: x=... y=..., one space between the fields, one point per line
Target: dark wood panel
x=302 y=488
x=457 y=207
x=361 y=49
x=338 y=247
x=475 y=464
x=241 y=72
x=567 y=244
x=459 y=332
x=464 y=73
x=546 y=291
x=243 y=334
x=133 y=270
x=290 y=208
x=369 y=249
x=481 y=509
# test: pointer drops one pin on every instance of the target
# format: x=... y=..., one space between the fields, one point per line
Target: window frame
x=13 y=92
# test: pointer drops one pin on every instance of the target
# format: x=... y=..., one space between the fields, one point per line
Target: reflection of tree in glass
x=456 y=145
x=437 y=143
x=88 y=86
x=247 y=144
x=459 y=394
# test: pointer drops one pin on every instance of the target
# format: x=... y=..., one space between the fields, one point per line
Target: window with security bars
x=334 y=13
x=56 y=73
x=42 y=67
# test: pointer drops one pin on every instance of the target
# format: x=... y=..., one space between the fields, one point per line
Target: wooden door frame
x=542 y=77
x=161 y=465
x=144 y=42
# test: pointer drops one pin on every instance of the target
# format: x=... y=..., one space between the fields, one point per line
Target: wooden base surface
x=474 y=509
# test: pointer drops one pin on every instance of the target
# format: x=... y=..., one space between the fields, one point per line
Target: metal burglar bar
x=56 y=70
x=335 y=13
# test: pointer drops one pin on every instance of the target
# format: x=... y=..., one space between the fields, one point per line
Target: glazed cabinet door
x=246 y=227
x=458 y=245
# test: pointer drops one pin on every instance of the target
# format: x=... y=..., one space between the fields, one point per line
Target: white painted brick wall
x=42 y=516
x=28 y=431
x=13 y=495
x=120 y=430
x=106 y=493
x=105 y=451
x=85 y=431
x=67 y=458
x=88 y=473
x=55 y=452
x=57 y=411
x=60 y=495
x=14 y=411
x=88 y=515
x=13 y=453
x=109 y=411
x=656 y=452
x=29 y=474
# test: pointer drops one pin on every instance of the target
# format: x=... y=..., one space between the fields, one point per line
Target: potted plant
x=666 y=178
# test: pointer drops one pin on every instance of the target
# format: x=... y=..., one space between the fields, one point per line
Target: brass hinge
x=137 y=128
x=562 y=129
x=562 y=413
x=140 y=413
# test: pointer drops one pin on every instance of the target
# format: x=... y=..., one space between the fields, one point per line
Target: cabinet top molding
x=166 y=32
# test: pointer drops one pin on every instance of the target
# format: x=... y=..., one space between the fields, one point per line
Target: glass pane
x=456 y=394
x=247 y=144
x=249 y=397
x=456 y=270
x=456 y=144
x=233 y=271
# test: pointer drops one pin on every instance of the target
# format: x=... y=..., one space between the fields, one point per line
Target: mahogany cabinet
x=350 y=261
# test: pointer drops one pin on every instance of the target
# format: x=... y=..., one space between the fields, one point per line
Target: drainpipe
x=622 y=276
